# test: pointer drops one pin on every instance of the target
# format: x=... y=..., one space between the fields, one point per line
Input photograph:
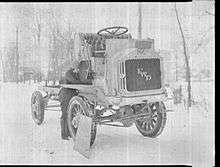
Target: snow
x=188 y=137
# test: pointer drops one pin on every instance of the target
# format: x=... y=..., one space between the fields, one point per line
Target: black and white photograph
x=107 y=83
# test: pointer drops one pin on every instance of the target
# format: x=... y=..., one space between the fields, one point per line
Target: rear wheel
x=78 y=106
x=153 y=125
x=37 y=107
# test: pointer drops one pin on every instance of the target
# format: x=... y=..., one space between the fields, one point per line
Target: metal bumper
x=122 y=101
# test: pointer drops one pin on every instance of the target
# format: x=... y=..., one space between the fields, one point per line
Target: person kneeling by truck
x=65 y=95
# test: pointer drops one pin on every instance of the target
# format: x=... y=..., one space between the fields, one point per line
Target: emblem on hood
x=144 y=74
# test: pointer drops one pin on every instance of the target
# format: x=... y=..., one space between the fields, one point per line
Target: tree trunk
x=39 y=45
x=1 y=66
x=17 y=56
x=188 y=77
x=139 y=21
x=176 y=66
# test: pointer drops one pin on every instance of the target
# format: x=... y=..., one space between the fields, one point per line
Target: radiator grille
x=143 y=74
x=122 y=75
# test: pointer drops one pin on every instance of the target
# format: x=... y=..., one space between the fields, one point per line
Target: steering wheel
x=113 y=31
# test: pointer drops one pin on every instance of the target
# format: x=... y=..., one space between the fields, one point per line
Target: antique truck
x=127 y=84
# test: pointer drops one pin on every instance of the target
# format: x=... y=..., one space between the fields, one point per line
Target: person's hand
x=75 y=70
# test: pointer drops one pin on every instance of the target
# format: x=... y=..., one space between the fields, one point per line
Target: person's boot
x=64 y=136
x=66 y=129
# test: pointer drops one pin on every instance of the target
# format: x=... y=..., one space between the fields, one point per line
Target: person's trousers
x=65 y=96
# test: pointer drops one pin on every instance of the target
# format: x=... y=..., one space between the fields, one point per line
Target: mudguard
x=83 y=136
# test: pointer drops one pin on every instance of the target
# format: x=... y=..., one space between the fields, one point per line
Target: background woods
x=37 y=42
x=40 y=37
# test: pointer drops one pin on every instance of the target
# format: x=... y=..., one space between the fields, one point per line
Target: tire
x=155 y=125
x=37 y=107
x=71 y=113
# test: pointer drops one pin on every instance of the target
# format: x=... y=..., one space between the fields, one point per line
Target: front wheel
x=153 y=125
x=78 y=106
x=37 y=107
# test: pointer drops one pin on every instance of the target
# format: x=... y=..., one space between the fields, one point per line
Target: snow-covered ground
x=188 y=137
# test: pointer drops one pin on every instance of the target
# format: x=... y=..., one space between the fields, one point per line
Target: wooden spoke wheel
x=78 y=106
x=153 y=125
x=37 y=107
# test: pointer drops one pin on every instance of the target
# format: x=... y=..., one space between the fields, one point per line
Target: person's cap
x=75 y=64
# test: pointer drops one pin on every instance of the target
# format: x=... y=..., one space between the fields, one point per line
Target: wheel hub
x=75 y=120
x=151 y=118
x=153 y=126
x=150 y=121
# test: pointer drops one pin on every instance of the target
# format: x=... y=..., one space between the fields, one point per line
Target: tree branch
x=202 y=38
x=209 y=13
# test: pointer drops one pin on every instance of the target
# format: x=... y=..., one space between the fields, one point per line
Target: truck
x=127 y=84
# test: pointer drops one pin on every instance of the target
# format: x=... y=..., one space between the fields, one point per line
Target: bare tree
x=62 y=35
x=209 y=13
x=59 y=44
x=17 y=56
x=9 y=68
x=205 y=37
x=188 y=77
x=38 y=32
x=1 y=66
x=139 y=21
